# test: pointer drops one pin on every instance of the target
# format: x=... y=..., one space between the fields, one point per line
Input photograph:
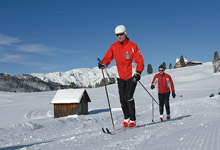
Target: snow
x=27 y=122
x=68 y=96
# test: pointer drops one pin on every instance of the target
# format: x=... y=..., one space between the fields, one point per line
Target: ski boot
x=132 y=124
x=161 y=117
x=126 y=122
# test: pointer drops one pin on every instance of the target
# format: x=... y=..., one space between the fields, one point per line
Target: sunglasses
x=119 y=34
x=161 y=70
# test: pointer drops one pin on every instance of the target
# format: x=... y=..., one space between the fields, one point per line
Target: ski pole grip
x=99 y=60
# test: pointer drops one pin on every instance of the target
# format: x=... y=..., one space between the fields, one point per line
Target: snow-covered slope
x=26 y=119
x=81 y=77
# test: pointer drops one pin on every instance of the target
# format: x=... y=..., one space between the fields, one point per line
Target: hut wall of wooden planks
x=70 y=102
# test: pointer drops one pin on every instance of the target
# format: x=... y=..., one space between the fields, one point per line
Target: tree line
x=150 y=68
x=108 y=81
x=182 y=64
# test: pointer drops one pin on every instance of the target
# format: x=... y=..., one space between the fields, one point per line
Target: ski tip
x=108 y=131
x=103 y=130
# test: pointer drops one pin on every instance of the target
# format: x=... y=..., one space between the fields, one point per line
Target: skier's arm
x=108 y=57
x=138 y=59
x=154 y=82
x=172 y=85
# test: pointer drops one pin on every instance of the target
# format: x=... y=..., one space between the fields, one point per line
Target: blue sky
x=41 y=36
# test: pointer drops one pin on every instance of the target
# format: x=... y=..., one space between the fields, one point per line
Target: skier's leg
x=161 y=102
x=167 y=103
x=122 y=90
x=130 y=89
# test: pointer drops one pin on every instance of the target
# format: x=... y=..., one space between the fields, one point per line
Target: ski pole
x=148 y=93
x=152 y=109
x=179 y=95
x=107 y=96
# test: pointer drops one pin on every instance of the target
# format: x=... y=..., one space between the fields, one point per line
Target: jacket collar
x=125 y=42
x=162 y=74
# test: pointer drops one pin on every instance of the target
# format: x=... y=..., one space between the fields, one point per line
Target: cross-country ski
x=121 y=130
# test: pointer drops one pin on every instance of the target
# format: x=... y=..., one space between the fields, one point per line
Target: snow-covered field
x=26 y=119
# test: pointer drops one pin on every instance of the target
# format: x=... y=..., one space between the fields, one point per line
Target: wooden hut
x=70 y=101
x=193 y=63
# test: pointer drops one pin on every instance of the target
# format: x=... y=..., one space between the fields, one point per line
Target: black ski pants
x=126 y=92
x=164 y=100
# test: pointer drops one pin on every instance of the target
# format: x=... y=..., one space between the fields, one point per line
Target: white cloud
x=36 y=48
x=8 y=40
x=12 y=58
x=72 y=51
x=15 y=44
x=22 y=59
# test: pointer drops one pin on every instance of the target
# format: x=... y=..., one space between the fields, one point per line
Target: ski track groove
x=38 y=114
x=202 y=136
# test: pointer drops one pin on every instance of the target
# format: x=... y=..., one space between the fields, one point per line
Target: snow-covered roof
x=196 y=61
x=68 y=96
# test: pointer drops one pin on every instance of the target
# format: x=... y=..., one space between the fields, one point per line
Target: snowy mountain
x=82 y=77
x=25 y=83
x=27 y=122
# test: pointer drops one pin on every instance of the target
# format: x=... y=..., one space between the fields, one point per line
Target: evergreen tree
x=111 y=81
x=149 y=69
x=89 y=86
x=107 y=82
x=216 y=63
x=182 y=62
x=96 y=85
x=170 y=66
x=61 y=86
x=216 y=57
x=164 y=65
x=102 y=83
x=72 y=85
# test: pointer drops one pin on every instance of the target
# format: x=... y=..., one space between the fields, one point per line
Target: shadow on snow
x=172 y=119
x=22 y=146
x=97 y=111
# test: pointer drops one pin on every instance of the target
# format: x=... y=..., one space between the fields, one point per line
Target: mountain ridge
x=36 y=82
x=82 y=77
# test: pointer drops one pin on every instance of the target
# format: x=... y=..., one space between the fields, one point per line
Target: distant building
x=191 y=63
x=70 y=101
x=178 y=65
x=194 y=63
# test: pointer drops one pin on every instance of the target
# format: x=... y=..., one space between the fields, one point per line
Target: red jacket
x=165 y=83
x=124 y=54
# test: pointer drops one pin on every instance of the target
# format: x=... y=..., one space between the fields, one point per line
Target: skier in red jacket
x=165 y=84
x=130 y=64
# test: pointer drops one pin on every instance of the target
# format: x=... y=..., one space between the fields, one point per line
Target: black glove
x=137 y=76
x=101 y=65
x=174 y=95
x=152 y=87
